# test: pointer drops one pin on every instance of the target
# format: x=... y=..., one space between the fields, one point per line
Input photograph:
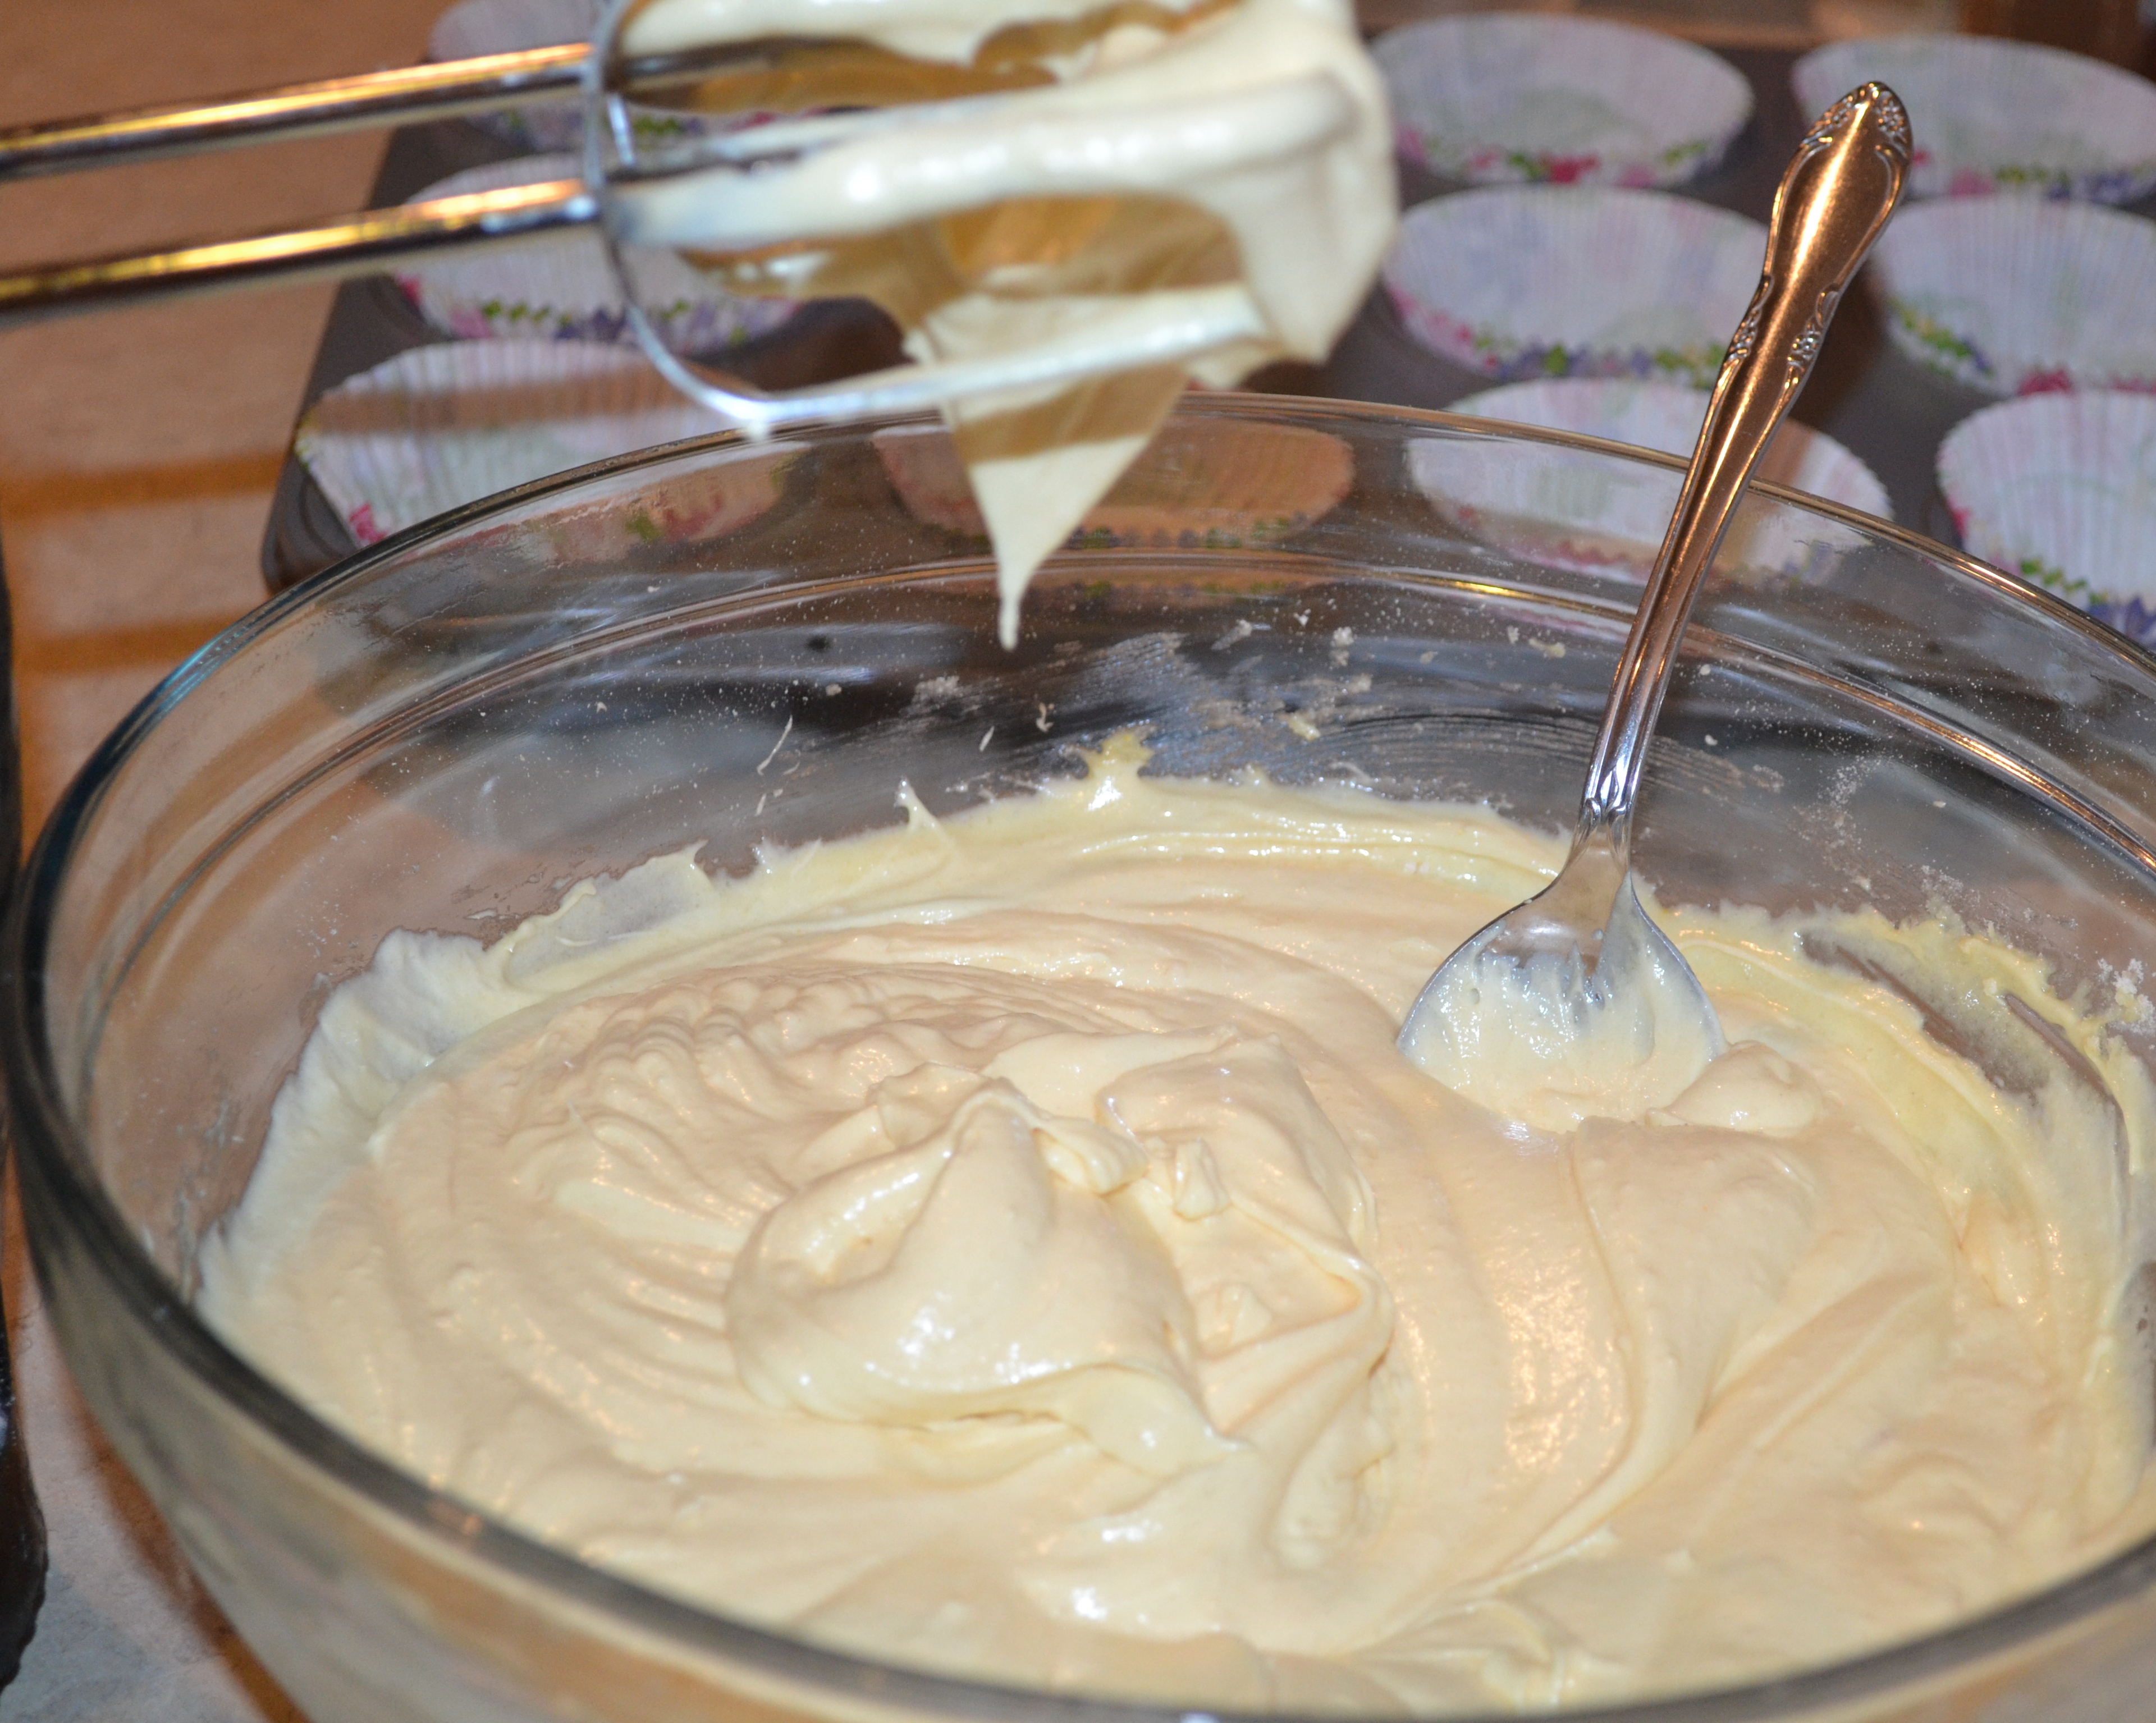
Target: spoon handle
x=1832 y=204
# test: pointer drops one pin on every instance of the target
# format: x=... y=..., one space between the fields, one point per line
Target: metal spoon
x=1575 y=1003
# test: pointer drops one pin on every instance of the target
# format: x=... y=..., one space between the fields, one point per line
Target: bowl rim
x=54 y=1165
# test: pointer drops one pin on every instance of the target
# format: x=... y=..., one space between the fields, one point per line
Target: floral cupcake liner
x=562 y=288
x=1989 y=115
x=1597 y=515
x=482 y=27
x=1561 y=101
x=1667 y=417
x=1549 y=281
x=2012 y=295
x=2060 y=490
x=441 y=426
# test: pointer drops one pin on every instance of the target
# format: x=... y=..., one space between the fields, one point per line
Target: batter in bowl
x=1013 y=1244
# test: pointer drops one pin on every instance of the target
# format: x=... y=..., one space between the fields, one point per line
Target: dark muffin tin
x=1887 y=410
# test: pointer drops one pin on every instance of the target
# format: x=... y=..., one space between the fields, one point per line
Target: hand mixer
x=1056 y=106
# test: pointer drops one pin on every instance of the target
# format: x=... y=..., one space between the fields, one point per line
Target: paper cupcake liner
x=1551 y=281
x=441 y=426
x=1568 y=509
x=1990 y=115
x=563 y=288
x=1564 y=100
x=2012 y=295
x=482 y=27
x=2060 y=490
x=1236 y=484
x=1667 y=416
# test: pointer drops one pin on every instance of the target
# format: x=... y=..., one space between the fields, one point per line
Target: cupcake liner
x=1667 y=416
x=2060 y=490
x=481 y=27
x=2012 y=295
x=441 y=426
x=1575 y=281
x=1566 y=100
x=1236 y=484
x=1987 y=115
x=1565 y=509
x=563 y=288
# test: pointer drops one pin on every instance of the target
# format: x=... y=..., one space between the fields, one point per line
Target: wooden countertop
x=137 y=451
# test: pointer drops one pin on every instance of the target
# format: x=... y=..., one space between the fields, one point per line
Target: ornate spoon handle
x=1832 y=204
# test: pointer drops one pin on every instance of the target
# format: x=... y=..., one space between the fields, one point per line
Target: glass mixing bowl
x=750 y=644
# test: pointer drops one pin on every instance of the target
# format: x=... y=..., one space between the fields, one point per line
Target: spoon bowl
x=1574 y=1004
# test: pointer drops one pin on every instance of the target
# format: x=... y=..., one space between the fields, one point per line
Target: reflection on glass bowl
x=447 y=731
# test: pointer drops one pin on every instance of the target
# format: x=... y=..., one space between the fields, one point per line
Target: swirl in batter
x=1014 y=1245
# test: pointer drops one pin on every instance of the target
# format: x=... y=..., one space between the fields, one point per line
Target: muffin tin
x=1890 y=410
